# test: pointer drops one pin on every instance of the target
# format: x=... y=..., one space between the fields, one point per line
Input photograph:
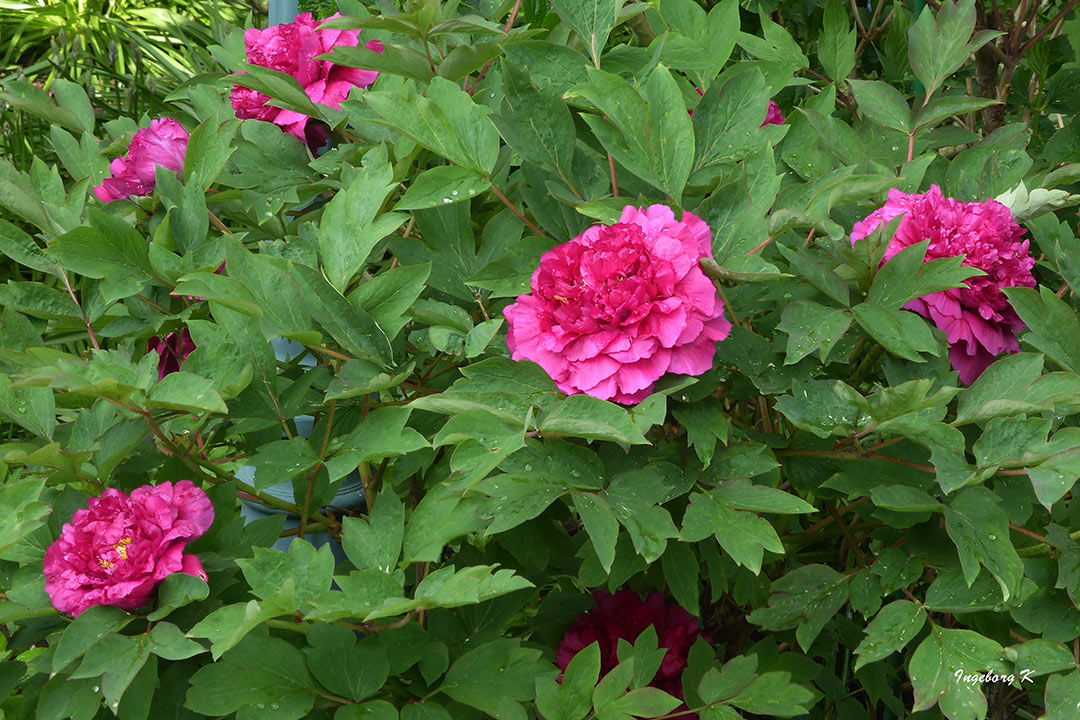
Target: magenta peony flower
x=173 y=350
x=977 y=320
x=773 y=116
x=120 y=547
x=164 y=143
x=291 y=48
x=624 y=616
x=617 y=307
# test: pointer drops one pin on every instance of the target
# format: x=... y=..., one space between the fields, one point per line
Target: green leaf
x=938 y=46
x=1053 y=326
x=494 y=678
x=743 y=535
x=166 y=641
x=446 y=121
x=231 y=624
x=1005 y=439
x=934 y=665
x=681 y=572
x=816 y=406
x=261 y=670
x=344 y=666
x=184 y=391
x=774 y=694
x=592 y=20
x=442 y=185
x=443 y=515
x=388 y=296
x=310 y=571
x=351 y=225
x=892 y=629
x=882 y=103
x=572 y=699
x=902 y=333
x=32 y=408
x=208 y=150
x=942 y=108
x=281 y=461
x=349 y=325
x=600 y=524
x=728 y=118
x=1062 y=696
x=536 y=122
x=19 y=500
x=742 y=494
x=176 y=591
x=284 y=91
x=811 y=327
x=705 y=422
x=646 y=135
x=1004 y=388
x=836 y=41
x=807 y=599
x=817 y=273
x=906 y=277
x=116 y=659
x=15 y=197
x=375 y=543
x=587 y=417
x=980 y=529
x=86 y=631
x=71 y=97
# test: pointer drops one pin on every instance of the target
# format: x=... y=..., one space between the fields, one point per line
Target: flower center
x=121 y=547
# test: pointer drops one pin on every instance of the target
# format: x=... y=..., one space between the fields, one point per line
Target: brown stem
x=216 y=222
x=1024 y=531
x=86 y=320
x=1038 y=36
x=614 y=182
x=847 y=533
x=516 y=212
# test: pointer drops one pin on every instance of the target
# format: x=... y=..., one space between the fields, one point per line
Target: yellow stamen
x=106 y=564
x=121 y=547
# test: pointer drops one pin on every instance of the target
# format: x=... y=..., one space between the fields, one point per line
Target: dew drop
x=273 y=706
x=528 y=468
x=454 y=192
x=447 y=200
x=96 y=688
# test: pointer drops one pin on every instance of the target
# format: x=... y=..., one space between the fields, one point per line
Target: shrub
x=795 y=505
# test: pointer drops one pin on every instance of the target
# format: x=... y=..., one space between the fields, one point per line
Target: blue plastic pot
x=283 y=11
x=350 y=496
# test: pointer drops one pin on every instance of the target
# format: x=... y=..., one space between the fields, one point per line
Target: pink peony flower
x=173 y=350
x=120 y=547
x=773 y=116
x=624 y=616
x=291 y=48
x=164 y=143
x=617 y=307
x=977 y=320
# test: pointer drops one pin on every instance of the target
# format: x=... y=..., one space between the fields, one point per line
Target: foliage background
x=851 y=526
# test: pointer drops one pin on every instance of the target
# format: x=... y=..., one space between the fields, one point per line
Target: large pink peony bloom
x=173 y=350
x=624 y=616
x=120 y=547
x=291 y=48
x=164 y=143
x=617 y=307
x=977 y=320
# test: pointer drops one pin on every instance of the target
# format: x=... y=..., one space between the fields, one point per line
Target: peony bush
x=581 y=360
